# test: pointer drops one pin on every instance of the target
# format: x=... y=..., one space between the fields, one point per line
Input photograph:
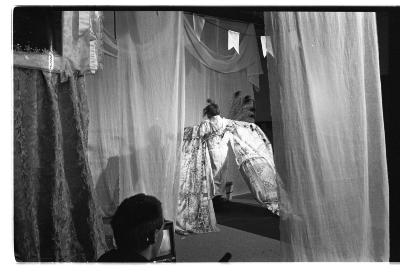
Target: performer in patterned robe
x=203 y=166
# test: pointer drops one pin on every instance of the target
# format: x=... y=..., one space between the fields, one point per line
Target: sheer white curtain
x=213 y=71
x=137 y=106
x=329 y=136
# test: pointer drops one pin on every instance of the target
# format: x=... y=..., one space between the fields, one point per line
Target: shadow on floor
x=249 y=218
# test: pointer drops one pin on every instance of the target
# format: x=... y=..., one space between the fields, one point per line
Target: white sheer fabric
x=219 y=61
x=139 y=101
x=329 y=136
x=137 y=111
x=213 y=71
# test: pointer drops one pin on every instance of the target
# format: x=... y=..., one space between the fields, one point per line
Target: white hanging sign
x=233 y=40
x=198 y=24
x=266 y=45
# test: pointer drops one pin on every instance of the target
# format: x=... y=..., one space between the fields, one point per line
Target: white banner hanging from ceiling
x=266 y=45
x=233 y=40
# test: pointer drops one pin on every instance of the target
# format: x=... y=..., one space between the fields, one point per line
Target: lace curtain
x=329 y=136
x=136 y=106
x=55 y=214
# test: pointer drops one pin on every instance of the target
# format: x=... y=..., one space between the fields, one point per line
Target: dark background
x=391 y=114
x=37 y=28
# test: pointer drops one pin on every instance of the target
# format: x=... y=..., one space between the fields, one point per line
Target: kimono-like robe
x=203 y=168
x=217 y=139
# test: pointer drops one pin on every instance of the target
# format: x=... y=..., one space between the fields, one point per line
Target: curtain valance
x=248 y=60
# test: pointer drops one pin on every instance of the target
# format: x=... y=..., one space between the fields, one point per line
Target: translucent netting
x=141 y=100
x=136 y=109
x=329 y=136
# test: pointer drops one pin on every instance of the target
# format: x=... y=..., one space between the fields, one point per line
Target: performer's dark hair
x=135 y=222
x=211 y=109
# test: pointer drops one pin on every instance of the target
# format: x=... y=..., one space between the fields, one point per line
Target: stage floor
x=250 y=233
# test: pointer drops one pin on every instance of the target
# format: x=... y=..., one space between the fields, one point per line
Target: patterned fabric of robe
x=195 y=208
x=217 y=140
x=253 y=155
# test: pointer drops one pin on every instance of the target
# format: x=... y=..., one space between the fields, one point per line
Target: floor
x=247 y=231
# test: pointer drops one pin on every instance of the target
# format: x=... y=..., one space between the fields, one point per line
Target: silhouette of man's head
x=137 y=223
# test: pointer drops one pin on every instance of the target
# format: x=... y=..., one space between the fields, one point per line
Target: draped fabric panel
x=138 y=103
x=83 y=39
x=136 y=106
x=213 y=71
x=55 y=213
x=223 y=62
x=105 y=134
x=329 y=136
